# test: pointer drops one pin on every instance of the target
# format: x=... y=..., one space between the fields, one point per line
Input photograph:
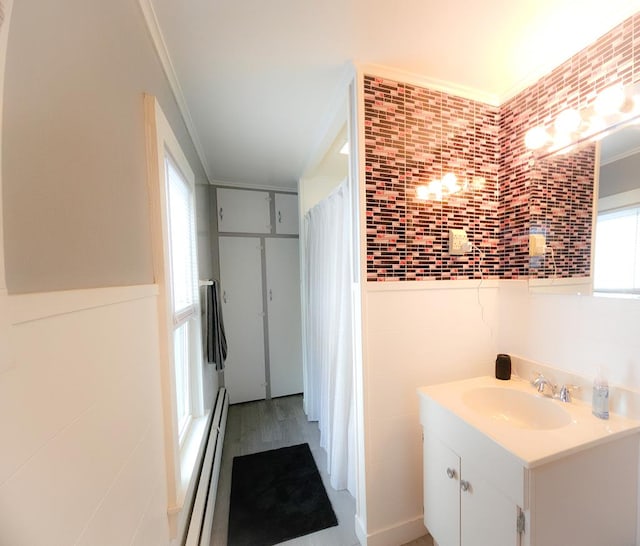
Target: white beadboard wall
x=82 y=458
x=415 y=333
x=573 y=333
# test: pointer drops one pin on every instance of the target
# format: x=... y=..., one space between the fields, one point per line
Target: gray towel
x=216 y=343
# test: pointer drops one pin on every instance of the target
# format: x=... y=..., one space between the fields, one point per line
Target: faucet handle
x=565 y=392
x=535 y=376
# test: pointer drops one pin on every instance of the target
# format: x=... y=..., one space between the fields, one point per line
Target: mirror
x=585 y=211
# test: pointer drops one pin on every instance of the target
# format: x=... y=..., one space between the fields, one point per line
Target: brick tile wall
x=414 y=135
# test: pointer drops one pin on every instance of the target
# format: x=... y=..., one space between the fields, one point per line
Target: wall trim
x=361 y=533
x=153 y=26
x=399 y=286
x=29 y=307
x=398 y=534
x=419 y=80
x=243 y=186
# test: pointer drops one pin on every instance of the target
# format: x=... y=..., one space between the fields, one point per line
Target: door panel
x=243 y=211
x=488 y=516
x=286 y=214
x=241 y=293
x=283 y=304
x=441 y=491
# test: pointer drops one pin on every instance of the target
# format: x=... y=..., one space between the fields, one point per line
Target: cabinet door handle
x=279 y=217
x=451 y=473
x=224 y=296
x=221 y=214
x=465 y=485
x=270 y=295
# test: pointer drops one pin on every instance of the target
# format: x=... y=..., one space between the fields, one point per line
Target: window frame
x=622 y=204
x=182 y=444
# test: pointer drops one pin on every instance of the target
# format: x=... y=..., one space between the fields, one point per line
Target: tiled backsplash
x=414 y=135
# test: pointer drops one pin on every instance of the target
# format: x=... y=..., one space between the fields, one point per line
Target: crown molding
x=260 y=187
x=153 y=26
x=420 y=80
x=622 y=155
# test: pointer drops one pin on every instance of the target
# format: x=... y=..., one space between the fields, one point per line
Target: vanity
x=506 y=466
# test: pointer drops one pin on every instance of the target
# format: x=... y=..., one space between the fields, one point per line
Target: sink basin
x=516 y=408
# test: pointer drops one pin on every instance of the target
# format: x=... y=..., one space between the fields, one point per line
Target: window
x=183 y=281
x=172 y=198
x=617 y=255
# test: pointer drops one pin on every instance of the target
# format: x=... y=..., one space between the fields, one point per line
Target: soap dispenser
x=600 y=403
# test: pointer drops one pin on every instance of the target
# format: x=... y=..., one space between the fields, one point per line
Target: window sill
x=191 y=454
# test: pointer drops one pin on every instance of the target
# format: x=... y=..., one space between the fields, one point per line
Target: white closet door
x=243 y=211
x=241 y=287
x=283 y=303
x=286 y=214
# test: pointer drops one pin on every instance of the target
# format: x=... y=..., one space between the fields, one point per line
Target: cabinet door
x=283 y=304
x=241 y=287
x=487 y=515
x=286 y=213
x=442 y=492
x=243 y=211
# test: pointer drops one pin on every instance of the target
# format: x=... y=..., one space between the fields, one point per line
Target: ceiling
x=257 y=80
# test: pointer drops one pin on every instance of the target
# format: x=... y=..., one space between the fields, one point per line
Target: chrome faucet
x=544 y=386
x=565 y=392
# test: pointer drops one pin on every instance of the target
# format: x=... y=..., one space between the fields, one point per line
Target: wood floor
x=270 y=424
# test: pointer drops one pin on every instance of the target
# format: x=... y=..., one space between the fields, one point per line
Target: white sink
x=516 y=408
x=534 y=428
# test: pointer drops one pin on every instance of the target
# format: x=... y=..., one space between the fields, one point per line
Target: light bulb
x=567 y=121
x=422 y=193
x=609 y=101
x=536 y=138
x=478 y=182
x=435 y=190
x=450 y=183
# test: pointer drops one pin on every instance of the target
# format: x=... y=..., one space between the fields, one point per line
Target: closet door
x=283 y=304
x=286 y=213
x=241 y=287
x=243 y=211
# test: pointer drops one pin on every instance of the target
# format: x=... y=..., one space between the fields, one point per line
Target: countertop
x=532 y=447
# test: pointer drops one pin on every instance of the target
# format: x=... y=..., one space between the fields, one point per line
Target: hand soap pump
x=600 y=404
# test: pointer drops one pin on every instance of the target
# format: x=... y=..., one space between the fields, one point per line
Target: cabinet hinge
x=520 y=521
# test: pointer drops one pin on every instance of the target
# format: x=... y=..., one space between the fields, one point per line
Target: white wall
x=414 y=334
x=619 y=176
x=82 y=459
x=314 y=189
x=76 y=211
x=574 y=333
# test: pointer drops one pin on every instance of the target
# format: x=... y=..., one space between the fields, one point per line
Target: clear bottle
x=600 y=403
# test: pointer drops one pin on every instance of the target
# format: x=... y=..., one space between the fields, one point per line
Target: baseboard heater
x=201 y=521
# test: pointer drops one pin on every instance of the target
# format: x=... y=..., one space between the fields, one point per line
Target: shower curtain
x=328 y=387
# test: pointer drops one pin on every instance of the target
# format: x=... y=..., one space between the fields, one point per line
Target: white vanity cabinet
x=487 y=482
x=461 y=504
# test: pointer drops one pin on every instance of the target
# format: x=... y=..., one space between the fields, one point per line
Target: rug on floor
x=277 y=495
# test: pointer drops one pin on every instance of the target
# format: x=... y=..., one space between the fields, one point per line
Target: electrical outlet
x=537 y=244
x=458 y=242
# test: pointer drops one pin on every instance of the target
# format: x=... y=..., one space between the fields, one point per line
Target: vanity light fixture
x=437 y=190
x=612 y=106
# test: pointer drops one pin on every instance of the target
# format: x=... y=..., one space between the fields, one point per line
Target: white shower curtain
x=328 y=388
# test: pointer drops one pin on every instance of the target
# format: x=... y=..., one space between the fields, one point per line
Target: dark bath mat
x=277 y=495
